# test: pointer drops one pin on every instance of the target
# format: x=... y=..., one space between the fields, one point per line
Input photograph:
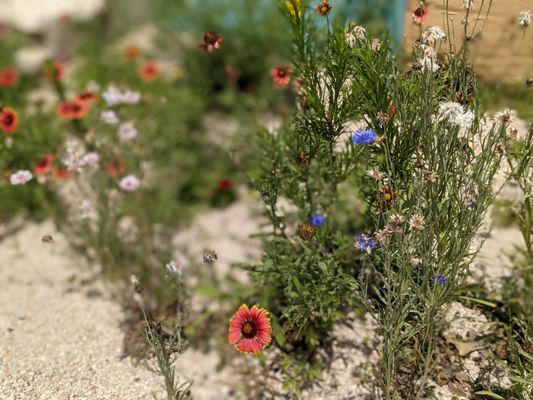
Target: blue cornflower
x=365 y=242
x=439 y=279
x=364 y=136
x=318 y=220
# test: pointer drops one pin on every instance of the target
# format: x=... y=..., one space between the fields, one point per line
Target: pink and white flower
x=129 y=183
x=90 y=159
x=21 y=177
x=127 y=131
x=109 y=117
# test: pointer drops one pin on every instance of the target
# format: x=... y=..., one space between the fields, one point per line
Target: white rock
x=464 y=323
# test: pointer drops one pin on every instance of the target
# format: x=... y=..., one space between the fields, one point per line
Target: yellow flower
x=291 y=7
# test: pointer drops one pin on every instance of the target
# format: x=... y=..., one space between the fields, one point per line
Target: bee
x=47 y=239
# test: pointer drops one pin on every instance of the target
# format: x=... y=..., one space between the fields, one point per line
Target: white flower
x=20 y=177
x=90 y=159
x=455 y=114
x=436 y=33
x=524 y=19
x=505 y=116
x=355 y=34
x=129 y=183
x=468 y=4
x=428 y=63
x=93 y=87
x=127 y=131
x=87 y=210
x=177 y=265
x=114 y=96
x=109 y=117
x=72 y=157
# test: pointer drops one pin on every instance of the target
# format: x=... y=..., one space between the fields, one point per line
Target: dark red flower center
x=419 y=12
x=210 y=38
x=249 y=329
x=282 y=72
x=8 y=119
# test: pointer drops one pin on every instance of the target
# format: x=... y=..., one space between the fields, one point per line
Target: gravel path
x=55 y=342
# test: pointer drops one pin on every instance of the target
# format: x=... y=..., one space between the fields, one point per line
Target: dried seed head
x=417 y=222
x=375 y=174
x=430 y=177
x=47 y=239
x=306 y=231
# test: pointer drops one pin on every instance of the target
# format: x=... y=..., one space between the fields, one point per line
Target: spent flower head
x=524 y=19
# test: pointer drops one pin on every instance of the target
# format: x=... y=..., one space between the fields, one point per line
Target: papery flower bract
x=73 y=109
x=87 y=210
x=324 y=8
x=90 y=160
x=177 y=265
x=505 y=116
x=455 y=114
x=364 y=136
x=109 y=117
x=9 y=120
x=420 y=14
x=129 y=183
x=211 y=42
x=318 y=220
x=44 y=165
x=127 y=131
x=9 y=77
x=149 y=72
x=417 y=222
x=20 y=177
x=524 y=19
x=63 y=174
x=250 y=329
x=365 y=243
x=116 y=167
x=355 y=34
x=468 y=4
x=375 y=174
x=281 y=75
x=437 y=33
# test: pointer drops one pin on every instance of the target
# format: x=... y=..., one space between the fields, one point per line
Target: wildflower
x=375 y=45
x=87 y=97
x=9 y=77
x=210 y=257
x=396 y=219
x=438 y=279
x=63 y=174
x=363 y=137
x=420 y=14
x=437 y=33
x=324 y=8
x=129 y=183
x=415 y=262
x=70 y=110
x=417 y=222
x=211 y=42
x=294 y=7
x=382 y=236
x=389 y=196
x=109 y=117
x=505 y=116
x=114 y=96
x=427 y=63
x=318 y=220
x=132 y=53
x=468 y=4
x=20 y=177
x=149 y=72
x=127 y=131
x=116 y=167
x=90 y=159
x=365 y=242
x=177 y=265
x=44 y=165
x=524 y=19
x=306 y=231
x=87 y=210
x=281 y=75
x=250 y=330
x=355 y=34
x=455 y=114
x=225 y=184
x=9 y=120
x=375 y=174
x=430 y=177
x=54 y=71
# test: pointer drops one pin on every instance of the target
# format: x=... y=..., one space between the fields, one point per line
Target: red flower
x=9 y=77
x=9 y=120
x=149 y=71
x=54 y=71
x=420 y=14
x=225 y=184
x=44 y=165
x=63 y=174
x=392 y=109
x=211 y=42
x=74 y=109
x=132 y=53
x=87 y=97
x=281 y=75
x=389 y=196
x=324 y=8
x=116 y=167
x=250 y=330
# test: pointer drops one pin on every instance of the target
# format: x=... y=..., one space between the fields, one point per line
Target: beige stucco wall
x=502 y=51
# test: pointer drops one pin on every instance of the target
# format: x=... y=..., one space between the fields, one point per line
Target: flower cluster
x=455 y=114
